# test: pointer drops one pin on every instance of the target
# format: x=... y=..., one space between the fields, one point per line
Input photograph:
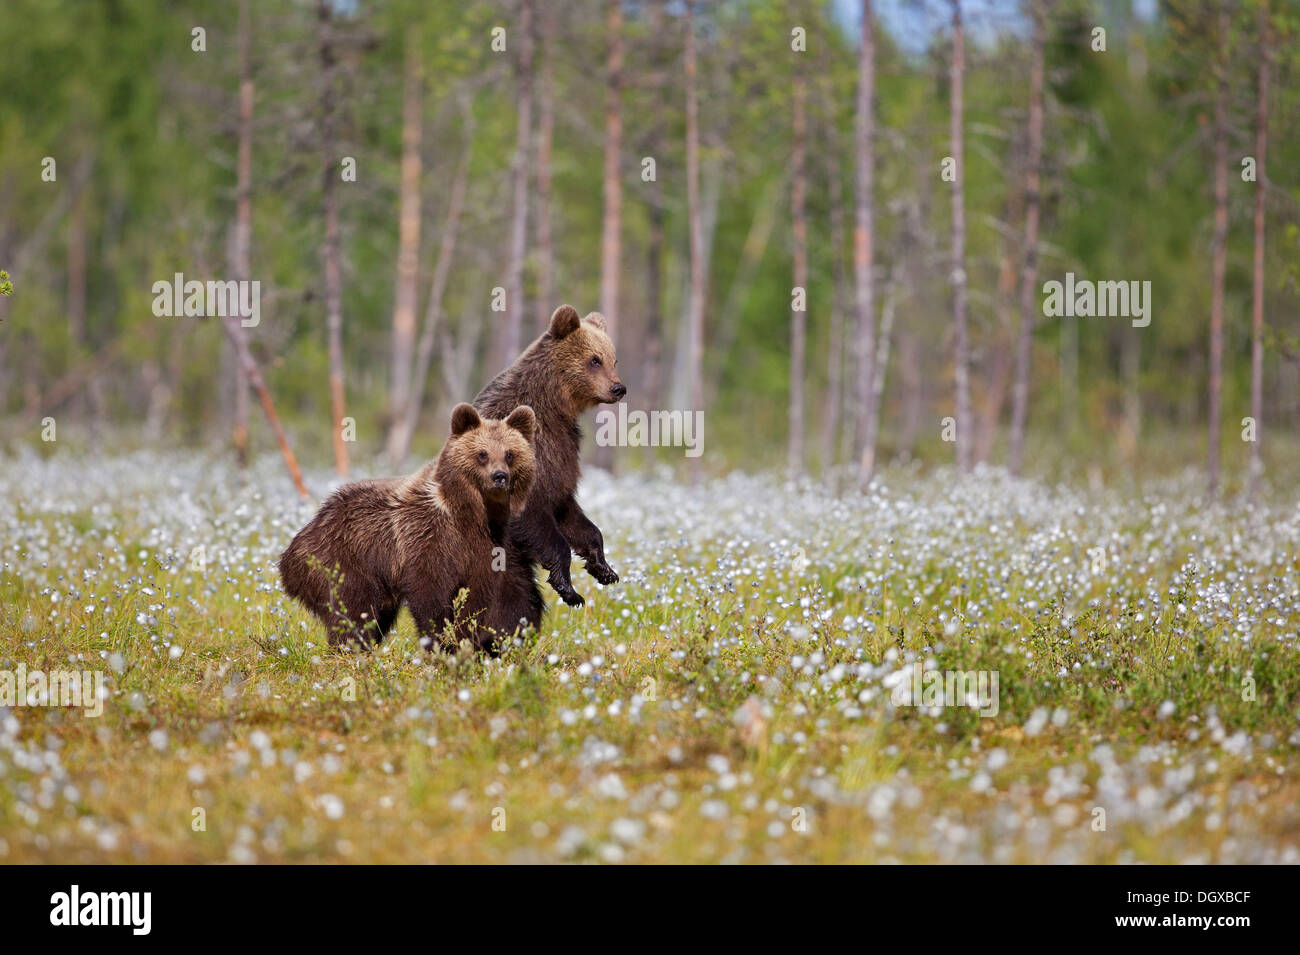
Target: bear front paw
x=571 y=597
x=565 y=589
x=603 y=573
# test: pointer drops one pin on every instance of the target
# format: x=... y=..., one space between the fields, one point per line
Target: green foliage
x=146 y=125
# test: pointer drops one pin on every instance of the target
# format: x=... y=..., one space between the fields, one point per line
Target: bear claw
x=567 y=593
x=603 y=573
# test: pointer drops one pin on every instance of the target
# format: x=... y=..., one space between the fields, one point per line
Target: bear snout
x=500 y=478
x=618 y=390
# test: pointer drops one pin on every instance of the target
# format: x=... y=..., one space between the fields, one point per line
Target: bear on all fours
x=418 y=540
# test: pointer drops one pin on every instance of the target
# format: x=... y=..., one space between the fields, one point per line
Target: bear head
x=583 y=359
x=493 y=456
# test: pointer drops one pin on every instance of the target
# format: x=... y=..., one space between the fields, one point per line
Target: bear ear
x=564 y=321
x=464 y=418
x=597 y=319
x=523 y=420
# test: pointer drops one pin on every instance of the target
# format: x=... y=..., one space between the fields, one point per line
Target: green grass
x=296 y=752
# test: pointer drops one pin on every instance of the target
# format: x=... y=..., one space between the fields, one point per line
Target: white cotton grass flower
x=781 y=697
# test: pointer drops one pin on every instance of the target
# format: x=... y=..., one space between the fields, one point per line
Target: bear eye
x=510 y=458
x=482 y=457
x=595 y=361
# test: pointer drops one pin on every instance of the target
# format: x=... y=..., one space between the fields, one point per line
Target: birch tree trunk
x=961 y=371
x=863 y=253
x=1029 y=268
x=695 y=313
x=1219 y=253
x=408 y=254
x=833 y=402
x=612 y=219
x=1257 y=283
x=799 y=313
x=332 y=250
x=241 y=245
x=512 y=338
x=611 y=237
x=545 y=137
x=653 y=377
x=76 y=282
x=410 y=414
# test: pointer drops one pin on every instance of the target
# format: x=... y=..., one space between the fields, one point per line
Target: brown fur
x=568 y=370
x=420 y=539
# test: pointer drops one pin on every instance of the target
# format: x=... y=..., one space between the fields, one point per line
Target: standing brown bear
x=568 y=370
x=376 y=544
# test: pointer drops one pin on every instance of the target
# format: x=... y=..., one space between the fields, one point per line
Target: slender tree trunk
x=241 y=246
x=710 y=196
x=1069 y=377
x=1257 y=283
x=1131 y=369
x=405 y=293
x=1220 y=249
x=410 y=414
x=98 y=411
x=831 y=426
x=1029 y=268
x=76 y=287
x=752 y=252
x=155 y=388
x=176 y=378
x=332 y=250
x=512 y=338
x=77 y=274
x=93 y=396
x=695 y=320
x=545 y=136
x=457 y=353
x=235 y=332
x=909 y=348
x=33 y=397
x=612 y=220
x=883 y=342
x=864 y=251
x=653 y=384
x=999 y=378
x=237 y=335
x=996 y=373
x=961 y=332
x=611 y=238
x=798 y=315
x=653 y=377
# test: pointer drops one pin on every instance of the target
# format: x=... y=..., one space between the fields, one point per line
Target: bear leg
x=518 y=600
x=586 y=540
x=431 y=616
x=359 y=611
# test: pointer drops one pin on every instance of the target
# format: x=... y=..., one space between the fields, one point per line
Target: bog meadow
x=953 y=499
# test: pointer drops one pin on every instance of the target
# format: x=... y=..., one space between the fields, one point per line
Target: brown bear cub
x=568 y=370
x=420 y=539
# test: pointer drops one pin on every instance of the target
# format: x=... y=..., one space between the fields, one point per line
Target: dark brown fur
x=568 y=370
x=376 y=544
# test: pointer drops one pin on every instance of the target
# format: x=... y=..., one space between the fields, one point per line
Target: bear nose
x=619 y=390
x=499 y=478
